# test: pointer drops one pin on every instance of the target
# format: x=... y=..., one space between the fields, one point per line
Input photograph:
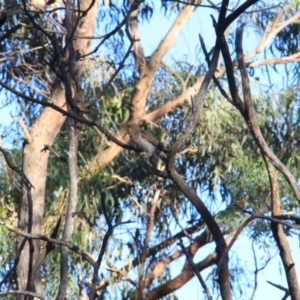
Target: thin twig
x=111 y=33
x=40 y=29
x=257 y=270
x=70 y=114
x=216 y=81
x=113 y=76
x=286 y=290
x=26 y=293
x=52 y=150
x=104 y=242
x=88 y=257
x=252 y=217
x=196 y=271
x=14 y=168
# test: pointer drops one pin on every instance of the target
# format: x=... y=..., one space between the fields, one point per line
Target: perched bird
x=145 y=141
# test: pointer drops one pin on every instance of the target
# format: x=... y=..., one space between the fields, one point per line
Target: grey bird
x=145 y=141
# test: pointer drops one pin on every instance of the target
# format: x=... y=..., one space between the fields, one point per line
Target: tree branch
x=197 y=273
x=88 y=257
x=15 y=292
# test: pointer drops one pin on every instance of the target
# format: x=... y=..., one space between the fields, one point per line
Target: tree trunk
x=35 y=162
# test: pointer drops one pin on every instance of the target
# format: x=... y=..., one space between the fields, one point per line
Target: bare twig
x=257 y=270
x=15 y=292
x=52 y=150
x=73 y=115
x=38 y=27
x=88 y=257
x=113 y=76
x=252 y=217
x=215 y=6
x=176 y=75
x=51 y=246
x=287 y=291
x=151 y=224
x=72 y=203
x=216 y=81
x=196 y=271
x=104 y=242
x=14 y=168
x=111 y=33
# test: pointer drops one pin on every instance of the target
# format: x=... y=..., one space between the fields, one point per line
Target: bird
x=145 y=141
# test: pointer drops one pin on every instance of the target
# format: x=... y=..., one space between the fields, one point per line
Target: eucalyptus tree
x=88 y=212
